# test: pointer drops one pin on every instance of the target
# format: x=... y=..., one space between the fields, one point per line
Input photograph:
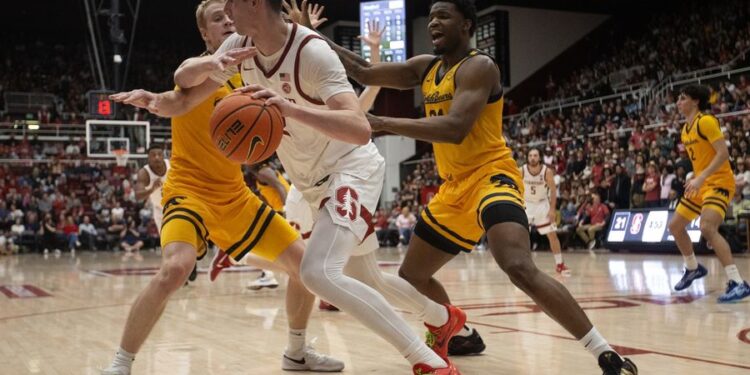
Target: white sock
x=435 y=314
x=595 y=343
x=733 y=273
x=466 y=331
x=690 y=262
x=558 y=258
x=123 y=358
x=296 y=341
x=418 y=352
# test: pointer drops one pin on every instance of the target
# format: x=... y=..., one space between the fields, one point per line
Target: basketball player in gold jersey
x=205 y=199
x=482 y=191
x=707 y=195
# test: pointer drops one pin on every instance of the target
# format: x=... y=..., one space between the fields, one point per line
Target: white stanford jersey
x=155 y=197
x=308 y=72
x=535 y=186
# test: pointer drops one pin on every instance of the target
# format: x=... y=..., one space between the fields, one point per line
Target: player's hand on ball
x=270 y=96
x=232 y=57
x=139 y=98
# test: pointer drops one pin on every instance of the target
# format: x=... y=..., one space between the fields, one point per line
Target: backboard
x=105 y=136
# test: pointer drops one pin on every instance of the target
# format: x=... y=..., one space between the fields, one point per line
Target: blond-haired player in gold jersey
x=205 y=199
x=482 y=192
x=707 y=195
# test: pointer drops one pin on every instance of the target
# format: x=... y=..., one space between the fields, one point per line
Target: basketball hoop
x=121 y=157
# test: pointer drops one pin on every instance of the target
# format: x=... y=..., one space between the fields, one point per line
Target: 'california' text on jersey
x=485 y=143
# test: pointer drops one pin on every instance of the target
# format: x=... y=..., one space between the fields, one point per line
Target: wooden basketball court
x=65 y=315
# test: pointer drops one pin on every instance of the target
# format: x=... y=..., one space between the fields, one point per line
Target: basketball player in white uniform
x=150 y=179
x=540 y=194
x=327 y=153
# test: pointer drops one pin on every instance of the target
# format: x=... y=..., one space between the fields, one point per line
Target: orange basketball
x=246 y=130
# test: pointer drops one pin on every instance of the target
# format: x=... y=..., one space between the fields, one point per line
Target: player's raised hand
x=139 y=98
x=304 y=14
x=314 y=14
x=270 y=96
x=232 y=57
x=374 y=34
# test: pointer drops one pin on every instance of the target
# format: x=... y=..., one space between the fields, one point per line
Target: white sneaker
x=592 y=245
x=311 y=361
x=116 y=370
x=265 y=280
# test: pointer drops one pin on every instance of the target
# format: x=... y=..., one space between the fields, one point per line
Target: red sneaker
x=327 y=306
x=562 y=269
x=423 y=369
x=221 y=260
x=439 y=337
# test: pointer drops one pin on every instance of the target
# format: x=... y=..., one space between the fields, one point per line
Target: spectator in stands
x=116 y=231
x=568 y=213
x=596 y=214
x=606 y=187
x=665 y=182
x=117 y=211
x=5 y=218
x=45 y=204
x=638 y=196
x=70 y=230
x=49 y=234
x=742 y=179
x=678 y=184
x=5 y=243
x=622 y=187
x=382 y=230
x=130 y=238
x=16 y=231
x=405 y=223
x=15 y=213
x=87 y=233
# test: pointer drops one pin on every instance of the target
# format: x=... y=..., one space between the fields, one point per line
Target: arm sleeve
x=233 y=41
x=322 y=71
x=708 y=127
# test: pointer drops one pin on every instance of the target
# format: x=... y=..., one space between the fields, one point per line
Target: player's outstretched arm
x=395 y=75
x=169 y=103
x=195 y=70
x=475 y=81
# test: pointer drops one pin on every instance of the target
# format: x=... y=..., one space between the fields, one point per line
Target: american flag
x=285 y=77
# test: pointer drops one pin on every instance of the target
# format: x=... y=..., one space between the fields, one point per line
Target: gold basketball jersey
x=197 y=165
x=698 y=137
x=485 y=143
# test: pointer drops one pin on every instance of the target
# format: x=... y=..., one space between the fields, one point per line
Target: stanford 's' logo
x=347 y=205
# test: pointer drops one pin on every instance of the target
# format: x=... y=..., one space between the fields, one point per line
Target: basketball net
x=121 y=157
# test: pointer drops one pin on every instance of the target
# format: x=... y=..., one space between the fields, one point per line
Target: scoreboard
x=646 y=229
x=392 y=15
x=100 y=105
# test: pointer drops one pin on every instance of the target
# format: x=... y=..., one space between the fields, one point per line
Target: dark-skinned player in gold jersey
x=482 y=192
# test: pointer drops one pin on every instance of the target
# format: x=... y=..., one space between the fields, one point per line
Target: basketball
x=246 y=130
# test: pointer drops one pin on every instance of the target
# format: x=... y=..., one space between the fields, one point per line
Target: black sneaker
x=466 y=345
x=612 y=364
x=194 y=274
